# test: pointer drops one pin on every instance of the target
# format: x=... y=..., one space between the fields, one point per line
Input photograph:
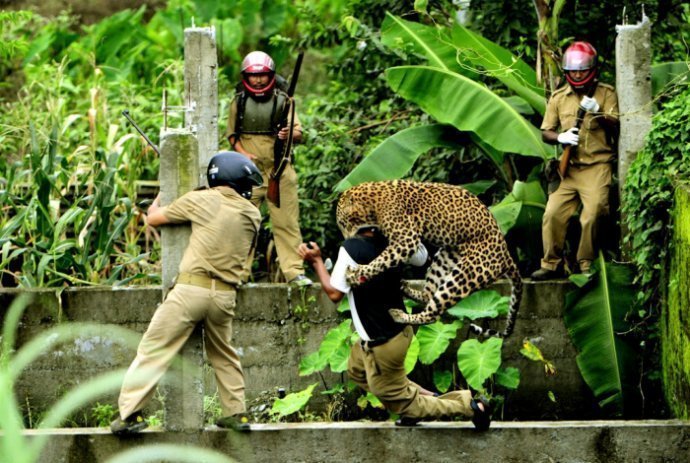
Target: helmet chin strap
x=260 y=92
x=584 y=83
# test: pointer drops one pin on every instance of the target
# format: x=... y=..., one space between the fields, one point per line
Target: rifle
x=568 y=150
x=281 y=149
x=141 y=132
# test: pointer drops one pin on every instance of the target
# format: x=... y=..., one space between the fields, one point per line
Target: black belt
x=373 y=342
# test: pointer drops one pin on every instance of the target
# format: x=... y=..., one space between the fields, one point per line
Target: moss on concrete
x=675 y=327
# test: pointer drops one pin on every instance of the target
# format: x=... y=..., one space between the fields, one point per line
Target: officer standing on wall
x=587 y=179
x=253 y=117
x=224 y=226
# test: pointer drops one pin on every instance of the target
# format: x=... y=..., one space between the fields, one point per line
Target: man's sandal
x=481 y=418
x=131 y=425
x=407 y=421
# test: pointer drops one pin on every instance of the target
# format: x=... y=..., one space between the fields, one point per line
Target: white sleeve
x=419 y=257
x=338 y=280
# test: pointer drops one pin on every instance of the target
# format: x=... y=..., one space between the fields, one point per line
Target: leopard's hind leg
x=440 y=266
x=465 y=274
x=515 y=298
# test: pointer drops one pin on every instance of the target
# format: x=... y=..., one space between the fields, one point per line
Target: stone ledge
x=534 y=442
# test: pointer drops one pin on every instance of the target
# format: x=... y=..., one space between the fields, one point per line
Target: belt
x=204 y=281
x=373 y=343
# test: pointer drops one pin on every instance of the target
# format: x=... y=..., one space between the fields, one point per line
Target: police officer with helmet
x=254 y=116
x=211 y=269
x=583 y=115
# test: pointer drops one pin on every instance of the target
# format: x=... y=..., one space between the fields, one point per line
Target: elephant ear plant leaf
x=595 y=317
x=479 y=360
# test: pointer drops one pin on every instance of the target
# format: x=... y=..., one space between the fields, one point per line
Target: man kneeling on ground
x=377 y=361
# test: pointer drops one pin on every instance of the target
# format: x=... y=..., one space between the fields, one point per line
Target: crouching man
x=377 y=361
x=224 y=225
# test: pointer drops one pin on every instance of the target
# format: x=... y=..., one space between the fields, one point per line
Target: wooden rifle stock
x=565 y=159
x=281 y=149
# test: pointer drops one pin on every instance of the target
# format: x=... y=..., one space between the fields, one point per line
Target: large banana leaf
x=469 y=106
x=595 y=317
x=394 y=157
x=431 y=42
x=522 y=209
x=501 y=64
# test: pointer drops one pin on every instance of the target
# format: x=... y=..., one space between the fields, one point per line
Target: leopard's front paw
x=355 y=276
x=398 y=315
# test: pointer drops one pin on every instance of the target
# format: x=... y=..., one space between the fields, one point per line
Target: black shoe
x=545 y=274
x=238 y=422
x=133 y=424
x=407 y=421
x=481 y=418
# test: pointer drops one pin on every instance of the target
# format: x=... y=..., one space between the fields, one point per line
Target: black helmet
x=232 y=169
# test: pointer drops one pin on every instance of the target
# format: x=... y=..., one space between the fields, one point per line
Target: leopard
x=472 y=251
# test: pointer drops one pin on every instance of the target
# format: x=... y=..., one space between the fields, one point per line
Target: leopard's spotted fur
x=472 y=250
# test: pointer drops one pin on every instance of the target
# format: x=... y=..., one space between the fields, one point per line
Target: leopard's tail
x=515 y=298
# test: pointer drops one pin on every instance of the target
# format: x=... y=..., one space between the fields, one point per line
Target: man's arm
x=312 y=254
x=155 y=216
x=549 y=136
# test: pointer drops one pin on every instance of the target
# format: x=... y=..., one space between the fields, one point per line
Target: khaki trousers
x=284 y=221
x=586 y=185
x=170 y=327
x=381 y=371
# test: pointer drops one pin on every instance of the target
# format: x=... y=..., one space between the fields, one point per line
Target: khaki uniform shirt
x=260 y=146
x=224 y=227
x=561 y=114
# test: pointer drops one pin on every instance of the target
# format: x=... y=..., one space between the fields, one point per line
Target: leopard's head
x=355 y=211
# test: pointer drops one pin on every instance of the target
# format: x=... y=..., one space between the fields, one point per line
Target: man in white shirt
x=377 y=361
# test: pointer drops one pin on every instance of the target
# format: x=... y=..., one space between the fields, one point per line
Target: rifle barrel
x=141 y=132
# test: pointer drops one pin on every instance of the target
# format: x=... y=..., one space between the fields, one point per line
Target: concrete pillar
x=634 y=89
x=183 y=386
x=201 y=92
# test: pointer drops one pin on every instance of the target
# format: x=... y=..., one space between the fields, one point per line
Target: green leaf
x=434 y=339
x=673 y=72
x=293 y=402
x=594 y=315
x=481 y=304
x=442 y=380
x=335 y=347
x=311 y=364
x=507 y=212
x=479 y=186
x=369 y=399
x=396 y=155
x=469 y=106
x=508 y=377
x=431 y=42
x=478 y=361
x=501 y=64
x=412 y=355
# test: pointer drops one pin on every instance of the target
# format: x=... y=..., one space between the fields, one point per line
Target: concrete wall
x=675 y=336
x=544 y=442
x=272 y=339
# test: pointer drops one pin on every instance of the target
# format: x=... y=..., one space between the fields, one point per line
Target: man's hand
x=589 y=104
x=309 y=252
x=569 y=137
x=296 y=134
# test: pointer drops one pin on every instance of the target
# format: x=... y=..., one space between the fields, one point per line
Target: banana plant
x=595 y=315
